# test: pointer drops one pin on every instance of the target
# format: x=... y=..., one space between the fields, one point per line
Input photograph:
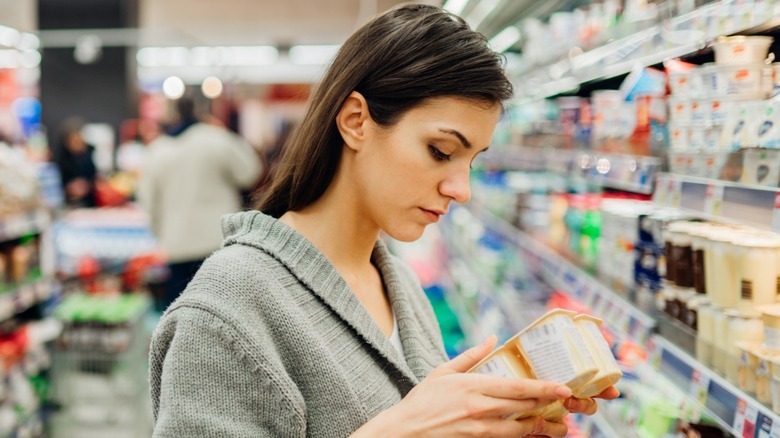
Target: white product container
x=697 y=138
x=742 y=326
x=768 y=129
x=757 y=271
x=721 y=262
x=705 y=334
x=608 y=369
x=680 y=109
x=718 y=110
x=679 y=137
x=712 y=138
x=748 y=365
x=709 y=80
x=700 y=111
x=771 y=315
x=761 y=167
x=741 y=81
x=719 y=348
x=681 y=82
x=741 y=50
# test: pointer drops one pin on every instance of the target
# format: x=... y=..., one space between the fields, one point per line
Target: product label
x=772 y=338
x=747 y=289
x=745 y=420
x=700 y=387
x=713 y=201
x=547 y=351
x=776 y=213
x=496 y=367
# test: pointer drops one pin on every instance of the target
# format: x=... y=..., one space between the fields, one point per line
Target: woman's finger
x=503 y=408
x=467 y=359
x=519 y=389
x=585 y=406
x=610 y=393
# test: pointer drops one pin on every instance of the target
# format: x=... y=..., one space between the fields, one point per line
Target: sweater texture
x=268 y=340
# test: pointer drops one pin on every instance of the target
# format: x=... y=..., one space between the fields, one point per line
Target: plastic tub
x=741 y=81
x=700 y=111
x=718 y=110
x=680 y=82
x=741 y=50
x=556 y=351
x=679 y=137
x=680 y=109
x=705 y=334
x=743 y=326
x=761 y=167
x=608 y=370
x=748 y=365
x=757 y=271
x=771 y=317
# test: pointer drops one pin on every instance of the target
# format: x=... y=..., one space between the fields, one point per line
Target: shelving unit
x=632 y=173
x=620 y=315
x=26 y=296
x=673 y=38
x=735 y=411
x=721 y=200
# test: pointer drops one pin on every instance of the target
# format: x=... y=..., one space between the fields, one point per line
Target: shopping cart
x=98 y=379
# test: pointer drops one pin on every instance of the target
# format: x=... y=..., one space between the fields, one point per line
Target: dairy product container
x=761 y=167
x=700 y=111
x=741 y=81
x=721 y=261
x=717 y=111
x=679 y=137
x=705 y=334
x=680 y=110
x=775 y=385
x=771 y=317
x=742 y=326
x=757 y=271
x=748 y=365
x=764 y=376
x=768 y=127
x=608 y=370
x=741 y=50
x=556 y=351
x=719 y=343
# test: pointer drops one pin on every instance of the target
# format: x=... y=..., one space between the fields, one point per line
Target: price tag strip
x=713 y=202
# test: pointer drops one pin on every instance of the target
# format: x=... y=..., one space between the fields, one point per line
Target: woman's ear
x=352 y=120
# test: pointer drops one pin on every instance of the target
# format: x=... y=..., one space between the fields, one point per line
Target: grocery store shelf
x=620 y=315
x=17 y=225
x=25 y=296
x=631 y=173
x=720 y=200
x=733 y=409
x=673 y=38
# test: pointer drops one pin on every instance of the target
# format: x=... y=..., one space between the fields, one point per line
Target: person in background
x=191 y=178
x=304 y=324
x=74 y=158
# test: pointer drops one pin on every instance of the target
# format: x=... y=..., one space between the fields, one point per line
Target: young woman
x=303 y=324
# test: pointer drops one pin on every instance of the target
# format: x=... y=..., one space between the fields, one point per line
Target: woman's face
x=409 y=173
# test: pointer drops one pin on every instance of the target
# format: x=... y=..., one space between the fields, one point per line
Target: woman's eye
x=438 y=155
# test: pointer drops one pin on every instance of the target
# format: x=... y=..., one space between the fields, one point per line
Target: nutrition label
x=545 y=346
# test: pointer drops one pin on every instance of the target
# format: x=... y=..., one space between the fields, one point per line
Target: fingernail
x=563 y=392
x=570 y=404
x=488 y=341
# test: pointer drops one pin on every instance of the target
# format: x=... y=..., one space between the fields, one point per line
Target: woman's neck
x=336 y=225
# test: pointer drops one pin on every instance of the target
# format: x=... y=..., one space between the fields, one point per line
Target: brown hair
x=396 y=61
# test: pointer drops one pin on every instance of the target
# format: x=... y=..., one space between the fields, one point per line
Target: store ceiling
x=254 y=22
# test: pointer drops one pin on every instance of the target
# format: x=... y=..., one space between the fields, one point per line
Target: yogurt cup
x=748 y=366
x=608 y=370
x=741 y=50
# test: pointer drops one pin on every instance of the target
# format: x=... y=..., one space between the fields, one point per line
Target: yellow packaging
x=608 y=369
x=748 y=365
x=556 y=351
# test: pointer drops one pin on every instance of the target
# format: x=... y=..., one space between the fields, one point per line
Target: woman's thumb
x=466 y=360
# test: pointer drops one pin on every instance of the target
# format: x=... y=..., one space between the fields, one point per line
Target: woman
x=303 y=324
x=74 y=157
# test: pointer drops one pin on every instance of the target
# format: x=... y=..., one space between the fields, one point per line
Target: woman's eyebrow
x=461 y=137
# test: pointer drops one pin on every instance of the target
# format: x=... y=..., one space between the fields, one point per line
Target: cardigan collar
x=317 y=273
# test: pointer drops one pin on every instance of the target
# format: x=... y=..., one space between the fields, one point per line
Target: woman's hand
x=589 y=406
x=453 y=403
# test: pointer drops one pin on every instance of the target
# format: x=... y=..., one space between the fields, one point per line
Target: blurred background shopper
x=192 y=177
x=304 y=324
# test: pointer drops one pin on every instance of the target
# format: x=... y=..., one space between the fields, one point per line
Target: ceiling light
x=505 y=39
x=312 y=55
x=211 y=87
x=455 y=6
x=173 y=87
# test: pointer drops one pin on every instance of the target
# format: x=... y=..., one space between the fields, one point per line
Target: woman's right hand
x=453 y=403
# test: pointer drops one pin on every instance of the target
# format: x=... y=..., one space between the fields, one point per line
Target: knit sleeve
x=203 y=385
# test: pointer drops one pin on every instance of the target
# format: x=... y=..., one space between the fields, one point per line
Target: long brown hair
x=396 y=61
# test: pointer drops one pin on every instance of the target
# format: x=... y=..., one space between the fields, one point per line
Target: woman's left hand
x=589 y=406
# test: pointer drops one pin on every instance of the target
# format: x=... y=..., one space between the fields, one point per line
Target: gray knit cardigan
x=269 y=341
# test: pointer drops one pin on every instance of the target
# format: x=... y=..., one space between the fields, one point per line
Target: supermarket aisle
x=635 y=177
